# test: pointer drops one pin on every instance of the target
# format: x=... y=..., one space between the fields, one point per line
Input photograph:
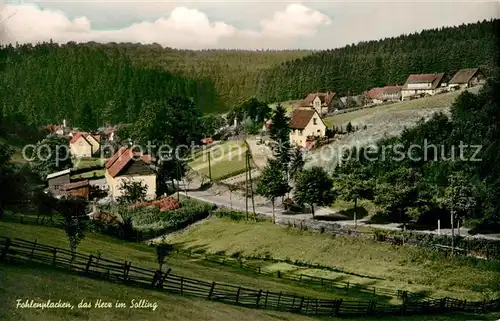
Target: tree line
x=355 y=68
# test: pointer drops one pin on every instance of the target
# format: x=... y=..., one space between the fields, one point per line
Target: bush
x=233 y=215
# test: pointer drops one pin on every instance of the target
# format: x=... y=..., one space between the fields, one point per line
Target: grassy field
x=17 y=147
x=407 y=268
x=144 y=256
x=42 y=283
x=84 y=162
x=225 y=158
x=288 y=105
x=98 y=173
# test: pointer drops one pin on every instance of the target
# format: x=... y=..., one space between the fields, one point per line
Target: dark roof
x=75 y=185
x=435 y=79
x=464 y=75
x=325 y=98
x=301 y=117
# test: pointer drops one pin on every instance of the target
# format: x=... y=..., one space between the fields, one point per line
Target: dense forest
x=46 y=83
x=234 y=73
x=356 y=68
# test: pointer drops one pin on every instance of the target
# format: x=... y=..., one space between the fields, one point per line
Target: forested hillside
x=353 y=69
x=234 y=73
x=89 y=86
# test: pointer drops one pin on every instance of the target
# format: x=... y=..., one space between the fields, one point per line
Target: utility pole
x=177 y=165
x=251 y=184
x=209 y=165
x=452 y=233
x=246 y=164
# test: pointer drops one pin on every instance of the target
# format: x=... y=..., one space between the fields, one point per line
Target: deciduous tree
x=314 y=187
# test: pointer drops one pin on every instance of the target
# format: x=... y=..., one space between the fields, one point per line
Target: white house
x=380 y=95
x=84 y=144
x=125 y=165
x=305 y=124
x=418 y=84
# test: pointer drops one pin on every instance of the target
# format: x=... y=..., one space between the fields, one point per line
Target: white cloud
x=182 y=28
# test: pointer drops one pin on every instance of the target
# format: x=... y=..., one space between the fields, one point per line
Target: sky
x=231 y=24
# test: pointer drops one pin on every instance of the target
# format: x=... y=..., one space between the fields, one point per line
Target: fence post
x=316 y=306
x=337 y=308
x=238 y=294
x=259 y=269
x=211 y=291
x=54 y=253
x=301 y=303
x=163 y=278
x=279 y=299
x=33 y=250
x=373 y=290
x=258 y=298
x=347 y=286
x=6 y=248
x=300 y=277
x=293 y=301
x=87 y=267
x=265 y=302
x=307 y=305
x=279 y=274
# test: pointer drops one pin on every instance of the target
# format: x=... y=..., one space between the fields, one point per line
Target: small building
x=84 y=144
x=76 y=189
x=306 y=124
x=127 y=165
x=422 y=84
x=57 y=180
x=323 y=103
x=465 y=78
x=381 y=95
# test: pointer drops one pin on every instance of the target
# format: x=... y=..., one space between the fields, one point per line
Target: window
x=300 y=132
x=314 y=121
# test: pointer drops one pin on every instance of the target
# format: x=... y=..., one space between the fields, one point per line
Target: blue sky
x=233 y=24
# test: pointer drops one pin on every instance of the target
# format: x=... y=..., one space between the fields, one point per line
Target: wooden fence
x=18 y=250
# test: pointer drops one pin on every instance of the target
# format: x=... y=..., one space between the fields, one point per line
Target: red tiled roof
x=75 y=185
x=325 y=98
x=391 y=89
x=113 y=158
x=374 y=93
x=77 y=136
x=301 y=117
x=122 y=158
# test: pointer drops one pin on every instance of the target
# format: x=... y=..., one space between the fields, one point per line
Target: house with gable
x=132 y=166
x=84 y=144
x=323 y=103
x=306 y=125
x=465 y=78
x=384 y=94
x=422 y=84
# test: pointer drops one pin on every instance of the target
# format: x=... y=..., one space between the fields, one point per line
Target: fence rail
x=18 y=250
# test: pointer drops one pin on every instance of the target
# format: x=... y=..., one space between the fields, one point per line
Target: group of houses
x=124 y=165
x=420 y=85
x=81 y=143
x=306 y=121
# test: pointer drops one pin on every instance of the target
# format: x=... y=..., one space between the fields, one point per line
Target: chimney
x=64 y=123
